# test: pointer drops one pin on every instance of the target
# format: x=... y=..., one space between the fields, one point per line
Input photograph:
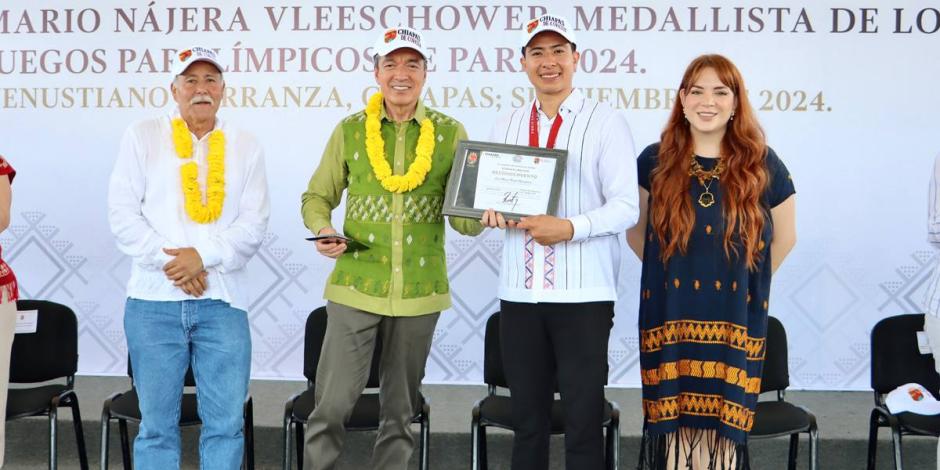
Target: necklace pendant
x=706 y=199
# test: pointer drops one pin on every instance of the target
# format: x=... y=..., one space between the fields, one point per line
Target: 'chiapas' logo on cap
x=390 y=35
x=408 y=35
x=550 y=21
x=185 y=55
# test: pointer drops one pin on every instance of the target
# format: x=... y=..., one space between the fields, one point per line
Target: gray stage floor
x=842 y=417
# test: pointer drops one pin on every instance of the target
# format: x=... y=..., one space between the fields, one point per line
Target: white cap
x=189 y=56
x=545 y=23
x=393 y=39
x=912 y=398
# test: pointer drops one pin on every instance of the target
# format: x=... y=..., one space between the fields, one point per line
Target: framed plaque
x=514 y=180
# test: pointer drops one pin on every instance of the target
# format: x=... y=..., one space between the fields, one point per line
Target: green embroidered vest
x=403 y=272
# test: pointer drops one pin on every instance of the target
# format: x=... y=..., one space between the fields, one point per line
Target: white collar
x=176 y=115
x=571 y=103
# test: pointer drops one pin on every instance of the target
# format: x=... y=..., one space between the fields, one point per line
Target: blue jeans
x=163 y=339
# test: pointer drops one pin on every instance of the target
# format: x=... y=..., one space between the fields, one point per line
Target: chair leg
x=608 y=448
x=53 y=437
x=125 y=445
x=425 y=442
x=896 y=437
x=484 y=458
x=79 y=433
x=474 y=445
x=285 y=444
x=105 y=437
x=872 y=439
x=249 y=433
x=794 y=450
x=613 y=445
x=299 y=440
x=813 y=447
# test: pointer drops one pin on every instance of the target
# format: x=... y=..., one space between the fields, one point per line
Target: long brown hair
x=743 y=149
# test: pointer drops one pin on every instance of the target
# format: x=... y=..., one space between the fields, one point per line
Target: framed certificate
x=514 y=180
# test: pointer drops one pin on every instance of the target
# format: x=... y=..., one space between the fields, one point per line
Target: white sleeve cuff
x=155 y=262
x=582 y=227
x=209 y=253
x=162 y=258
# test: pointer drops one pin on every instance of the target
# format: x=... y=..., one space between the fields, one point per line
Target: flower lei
x=189 y=173
x=375 y=149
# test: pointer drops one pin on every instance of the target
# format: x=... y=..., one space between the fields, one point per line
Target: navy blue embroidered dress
x=703 y=318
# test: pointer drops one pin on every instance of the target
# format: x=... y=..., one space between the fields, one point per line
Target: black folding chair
x=125 y=406
x=48 y=354
x=895 y=361
x=365 y=415
x=496 y=410
x=778 y=417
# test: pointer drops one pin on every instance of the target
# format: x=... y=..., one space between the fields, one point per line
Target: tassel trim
x=682 y=449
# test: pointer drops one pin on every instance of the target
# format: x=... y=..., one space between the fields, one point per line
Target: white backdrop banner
x=845 y=91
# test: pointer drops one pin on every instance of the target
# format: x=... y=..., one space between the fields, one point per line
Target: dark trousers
x=548 y=342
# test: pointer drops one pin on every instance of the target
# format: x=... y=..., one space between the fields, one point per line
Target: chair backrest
x=895 y=359
x=776 y=373
x=493 y=373
x=188 y=381
x=49 y=353
x=313 y=343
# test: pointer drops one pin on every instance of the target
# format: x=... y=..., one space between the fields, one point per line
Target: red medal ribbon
x=548 y=280
x=534 y=129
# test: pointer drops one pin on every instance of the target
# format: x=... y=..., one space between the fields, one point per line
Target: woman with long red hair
x=717 y=217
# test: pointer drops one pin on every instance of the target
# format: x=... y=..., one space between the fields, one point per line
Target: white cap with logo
x=912 y=398
x=189 y=56
x=393 y=39
x=545 y=23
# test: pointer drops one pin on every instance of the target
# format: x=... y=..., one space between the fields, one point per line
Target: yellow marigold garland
x=375 y=149
x=189 y=174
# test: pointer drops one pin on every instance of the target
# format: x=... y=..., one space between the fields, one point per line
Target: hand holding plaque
x=514 y=180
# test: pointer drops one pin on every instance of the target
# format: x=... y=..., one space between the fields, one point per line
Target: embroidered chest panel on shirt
x=378 y=209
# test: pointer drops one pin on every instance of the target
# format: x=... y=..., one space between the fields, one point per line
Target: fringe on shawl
x=723 y=454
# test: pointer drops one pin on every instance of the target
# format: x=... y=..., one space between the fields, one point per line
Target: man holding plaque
x=558 y=274
x=390 y=279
